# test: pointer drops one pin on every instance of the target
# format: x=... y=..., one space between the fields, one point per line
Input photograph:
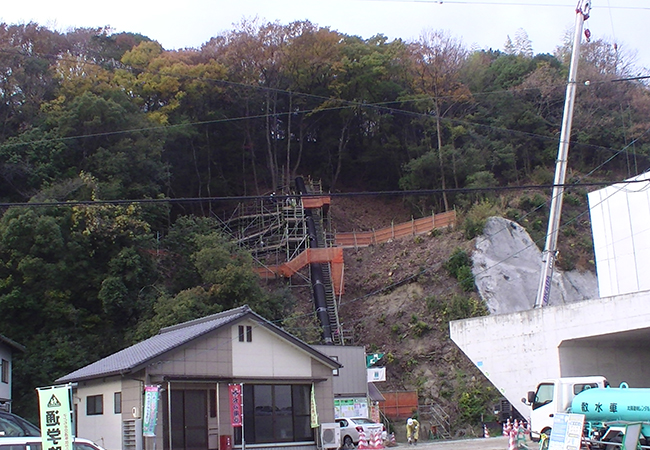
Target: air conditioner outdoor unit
x=330 y=435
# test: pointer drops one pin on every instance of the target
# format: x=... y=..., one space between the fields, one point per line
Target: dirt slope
x=399 y=300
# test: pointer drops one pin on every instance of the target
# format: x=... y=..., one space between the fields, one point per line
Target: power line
x=243 y=198
x=503 y=3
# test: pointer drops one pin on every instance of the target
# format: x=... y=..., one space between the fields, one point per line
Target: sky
x=479 y=24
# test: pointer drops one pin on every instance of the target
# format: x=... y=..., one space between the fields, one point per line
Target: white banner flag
x=376 y=374
x=56 y=418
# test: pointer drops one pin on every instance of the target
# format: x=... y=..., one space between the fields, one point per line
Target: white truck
x=554 y=396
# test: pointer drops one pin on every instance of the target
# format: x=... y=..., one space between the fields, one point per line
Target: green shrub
x=459 y=258
x=459 y=266
x=476 y=217
x=527 y=203
x=461 y=307
x=465 y=278
x=421 y=328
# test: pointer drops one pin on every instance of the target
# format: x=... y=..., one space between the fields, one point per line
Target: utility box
x=225 y=442
x=330 y=434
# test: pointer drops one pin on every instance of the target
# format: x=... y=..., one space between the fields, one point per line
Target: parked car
x=351 y=426
x=36 y=443
x=13 y=425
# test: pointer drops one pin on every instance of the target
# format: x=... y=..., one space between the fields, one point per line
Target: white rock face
x=507 y=266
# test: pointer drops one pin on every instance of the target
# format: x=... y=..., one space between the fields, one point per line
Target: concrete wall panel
x=620 y=216
x=516 y=351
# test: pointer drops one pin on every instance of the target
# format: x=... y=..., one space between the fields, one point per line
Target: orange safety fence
x=412 y=228
x=315 y=202
x=333 y=255
x=399 y=405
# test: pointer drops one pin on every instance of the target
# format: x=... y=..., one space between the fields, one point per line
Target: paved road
x=495 y=443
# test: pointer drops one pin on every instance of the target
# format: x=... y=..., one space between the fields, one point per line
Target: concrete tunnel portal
x=604 y=336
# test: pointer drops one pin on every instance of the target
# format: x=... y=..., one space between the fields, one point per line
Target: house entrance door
x=189 y=421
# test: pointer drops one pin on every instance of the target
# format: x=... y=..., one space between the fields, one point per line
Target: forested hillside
x=116 y=156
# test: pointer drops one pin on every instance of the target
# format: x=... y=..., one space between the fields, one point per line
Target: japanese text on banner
x=56 y=420
x=150 y=413
x=236 y=404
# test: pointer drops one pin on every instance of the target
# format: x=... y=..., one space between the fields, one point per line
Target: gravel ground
x=495 y=443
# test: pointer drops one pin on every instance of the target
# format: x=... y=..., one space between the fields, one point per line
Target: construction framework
x=289 y=232
x=276 y=231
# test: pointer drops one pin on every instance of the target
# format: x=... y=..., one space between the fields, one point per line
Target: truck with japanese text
x=607 y=410
x=554 y=396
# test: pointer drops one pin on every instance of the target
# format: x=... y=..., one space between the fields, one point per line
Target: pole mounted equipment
x=550 y=252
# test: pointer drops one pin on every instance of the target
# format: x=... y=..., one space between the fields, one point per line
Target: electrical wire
x=243 y=198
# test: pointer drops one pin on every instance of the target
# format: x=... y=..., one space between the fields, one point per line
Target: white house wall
x=620 y=221
x=5 y=388
x=104 y=429
x=267 y=355
x=207 y=357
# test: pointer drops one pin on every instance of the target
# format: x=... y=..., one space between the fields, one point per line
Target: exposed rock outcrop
x=507 y=266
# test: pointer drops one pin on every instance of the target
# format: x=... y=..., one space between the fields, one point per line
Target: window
x=544 y=395
x=5 y=371
x=578 y=388
x=212 y=399
x=245 y=333
x=117 y=403
x=94 y=405
x=276 y=413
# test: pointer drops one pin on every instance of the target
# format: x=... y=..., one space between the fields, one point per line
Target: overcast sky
x=480 y=24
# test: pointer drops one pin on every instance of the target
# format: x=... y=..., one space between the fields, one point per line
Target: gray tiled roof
x=12 y=343
x=169 y=338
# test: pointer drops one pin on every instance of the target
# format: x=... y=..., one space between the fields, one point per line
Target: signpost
x=56 y=417
x=237 y=409
x=567 y=432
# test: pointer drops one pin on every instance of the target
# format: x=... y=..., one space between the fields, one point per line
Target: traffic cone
x=505 y=431
x=512 y=445
x=363 y=442
x=375 y=439
x=486 y=432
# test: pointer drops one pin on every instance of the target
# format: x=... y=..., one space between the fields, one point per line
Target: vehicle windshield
x=11 y=425
x=363 y=420
x=544 y=395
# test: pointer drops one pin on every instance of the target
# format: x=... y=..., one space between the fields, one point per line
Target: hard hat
x=409 y=422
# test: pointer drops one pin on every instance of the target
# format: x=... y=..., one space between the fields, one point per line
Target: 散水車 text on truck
x=607 y=410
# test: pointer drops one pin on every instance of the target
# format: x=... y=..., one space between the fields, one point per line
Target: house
x=194 y=364
x=354 y=396
x=7 y=349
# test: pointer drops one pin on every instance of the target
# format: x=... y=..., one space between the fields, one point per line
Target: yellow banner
x=314 y=411
x=56 y=418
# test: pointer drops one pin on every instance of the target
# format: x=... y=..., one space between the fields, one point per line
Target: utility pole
x=550 y=248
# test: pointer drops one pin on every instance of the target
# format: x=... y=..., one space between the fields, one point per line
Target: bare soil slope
x=399 y=299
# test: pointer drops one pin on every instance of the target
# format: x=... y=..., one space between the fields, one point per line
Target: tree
x=71 y=286
x=26 y=78
x=438 y=59
x=522 y=45
x=102 y=135
x=214 y=275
